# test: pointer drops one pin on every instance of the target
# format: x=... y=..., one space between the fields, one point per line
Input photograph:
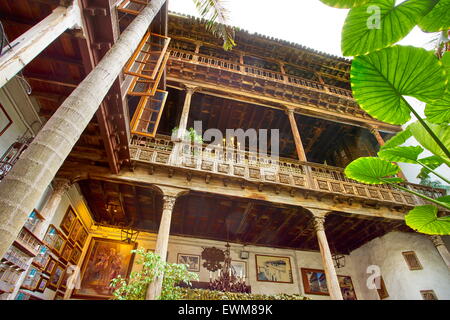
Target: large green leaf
x=362 y=34
x=380 y=80
x=371 y=170
x=344 y=3
x=423 y=137
x=437 y=19
x=401 y=154
x=398 y=139
x=439 y=111
x=432 y=162
x=424 y=219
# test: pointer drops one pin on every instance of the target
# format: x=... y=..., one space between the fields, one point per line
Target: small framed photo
x=68 y=220
x=42 y=284
x=56 y=277
x=314 y=281
x=75 y=255
x=192 y=260
x=51 y=264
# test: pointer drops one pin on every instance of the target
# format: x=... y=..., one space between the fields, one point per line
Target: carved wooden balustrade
x=265 y=169
x=326 y=96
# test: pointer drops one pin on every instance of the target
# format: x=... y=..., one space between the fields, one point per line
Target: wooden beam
x=296 y=134
x=31 y=43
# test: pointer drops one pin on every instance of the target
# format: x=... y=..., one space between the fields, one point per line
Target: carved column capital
x=319 y=223
x=437 y=240
x=60 y=185
x=169 y=202
x=190 y=89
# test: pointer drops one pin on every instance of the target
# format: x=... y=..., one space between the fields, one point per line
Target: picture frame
x=42 y=258
x=59 y=296
x=54 y=239
x=68 y=220
x=31 y=279
x=5 y=120
x=240 y=268
x=314 y=283
x=56 y=277
x=76 y=227
x=82 y=237
x=105 y=259
x=66 y=251
x=75 y=255
x=42 y=284
x=192 y=260
x=276 y=269
x=50 y=266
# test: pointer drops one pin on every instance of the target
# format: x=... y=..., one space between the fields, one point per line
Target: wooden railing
x=223 y=64
x=255 y=167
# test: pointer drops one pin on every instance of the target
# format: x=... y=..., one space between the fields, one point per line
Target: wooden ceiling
x=237 y=220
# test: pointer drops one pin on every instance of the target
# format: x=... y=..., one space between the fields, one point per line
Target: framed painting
x=51 y=264
x=273 y=269
x=56 y=277
x=314 y=282
x=240 y=268
x=5 y=120
x=192 y=260
x=66 y=251
x=105 y=260
x=75 y=255
x=59 y=296
x=74 y=231
x=82 y=236
x=42 y=284
x=68 y=220
x=54 y=239
x=347 y=289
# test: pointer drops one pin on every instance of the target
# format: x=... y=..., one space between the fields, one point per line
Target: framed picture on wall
x=50 y=266
x=105 y=260
x=5 y=120
x=74 y=231
x=192 y=260
x=66 y=251
x=68 y=220
x=56 y=276
x=273 y=269
x=42 y=284
x=82 y=236
x=240 y=268
x=314 y=282
x=75 y=255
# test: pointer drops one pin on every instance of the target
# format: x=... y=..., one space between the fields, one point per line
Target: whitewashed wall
x=402 y=283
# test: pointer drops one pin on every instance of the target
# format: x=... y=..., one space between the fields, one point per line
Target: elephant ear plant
x=383 y=74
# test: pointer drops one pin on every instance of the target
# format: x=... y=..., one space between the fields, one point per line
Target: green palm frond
x=215 y=12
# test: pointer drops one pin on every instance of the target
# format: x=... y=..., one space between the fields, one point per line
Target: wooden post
x=182 y=127
x=162 y=242
x=34 y=41
x=197 y=51
x=380 y=140
x=441 y=248
x=297 y=139
x=60 y=186
x=327 y=260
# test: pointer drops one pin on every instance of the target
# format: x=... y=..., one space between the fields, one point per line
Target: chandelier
x=228 y=280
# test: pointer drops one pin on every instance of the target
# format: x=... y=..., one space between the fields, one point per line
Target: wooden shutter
x=133 y=7
x=428 y=295
x=148 y=113
x=412 y=261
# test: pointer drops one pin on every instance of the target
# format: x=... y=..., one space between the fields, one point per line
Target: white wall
x=402 y=283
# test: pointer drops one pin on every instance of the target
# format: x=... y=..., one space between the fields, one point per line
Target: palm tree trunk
x=21 y=189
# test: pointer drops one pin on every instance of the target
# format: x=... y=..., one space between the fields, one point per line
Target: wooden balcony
x=262 y=169
x=193 y=66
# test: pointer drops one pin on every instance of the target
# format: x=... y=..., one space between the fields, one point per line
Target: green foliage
x=441 y=131
x=402 y=154
x=380 y=79
x=371 y=170
x=201 y=294
x=398 y=139
x=424 y=219
x=431 y=163
x=344 y=3
x=437 y=19
x=190 y=135
x=395 y=23
x=439 y=111
x=152 y=267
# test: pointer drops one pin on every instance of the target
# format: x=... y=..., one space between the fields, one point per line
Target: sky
x=307 y=22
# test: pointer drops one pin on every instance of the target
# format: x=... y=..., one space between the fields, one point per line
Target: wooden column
x=327 y=260
x=380 y=140
x=297 y=139
x=162 y=242
x=441 y=248
x=197 y=51
x=60 y=186
x=34 y=41
x=182 y=127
